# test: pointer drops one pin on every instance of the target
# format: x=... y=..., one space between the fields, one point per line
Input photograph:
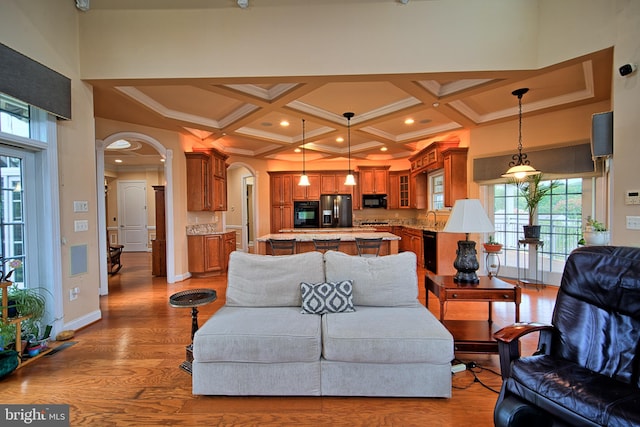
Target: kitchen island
x=304 y=240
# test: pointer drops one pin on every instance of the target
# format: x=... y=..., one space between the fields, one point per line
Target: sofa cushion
x=327 y=297
x=260 y=335
x=386 y=281
x=386 y=335
x=270 y=281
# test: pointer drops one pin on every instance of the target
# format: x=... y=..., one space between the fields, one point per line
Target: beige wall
x=47 y=31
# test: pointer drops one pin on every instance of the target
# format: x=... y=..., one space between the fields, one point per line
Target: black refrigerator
x=336 y=210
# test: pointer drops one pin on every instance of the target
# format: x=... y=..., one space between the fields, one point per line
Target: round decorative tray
x=192 y=297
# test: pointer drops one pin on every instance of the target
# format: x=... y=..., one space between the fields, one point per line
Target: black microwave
x=374 y=201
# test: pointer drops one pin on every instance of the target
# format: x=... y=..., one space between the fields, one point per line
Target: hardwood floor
x=123 y=370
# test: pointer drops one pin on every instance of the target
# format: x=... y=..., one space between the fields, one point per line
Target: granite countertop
x=346 y=236
x=202 y=229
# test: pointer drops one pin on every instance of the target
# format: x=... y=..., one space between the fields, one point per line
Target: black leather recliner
x=586 y=371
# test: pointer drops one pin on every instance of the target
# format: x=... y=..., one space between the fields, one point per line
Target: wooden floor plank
x=123 y=370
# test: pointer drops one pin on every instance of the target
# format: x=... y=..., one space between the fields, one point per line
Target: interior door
x=132 y=215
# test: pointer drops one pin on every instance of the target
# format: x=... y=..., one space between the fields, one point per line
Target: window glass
x=12 y=217
x=559 y=215
x=14 y=116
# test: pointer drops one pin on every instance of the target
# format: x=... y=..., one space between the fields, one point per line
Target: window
x=14 y=116
x=559 y=215
x=436 y=191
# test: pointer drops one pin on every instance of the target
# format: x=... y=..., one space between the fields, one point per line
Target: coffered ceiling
x=243 y=116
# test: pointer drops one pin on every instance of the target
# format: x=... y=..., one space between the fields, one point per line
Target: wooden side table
x=475 y=336
x=193 y=298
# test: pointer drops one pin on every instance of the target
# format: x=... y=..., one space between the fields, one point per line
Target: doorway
x=240 y=216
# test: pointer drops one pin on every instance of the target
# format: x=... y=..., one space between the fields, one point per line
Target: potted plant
x=595 y=233
x=533 y=192
x=491 y=246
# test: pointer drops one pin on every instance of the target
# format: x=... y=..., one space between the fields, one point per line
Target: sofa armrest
x=509 y=342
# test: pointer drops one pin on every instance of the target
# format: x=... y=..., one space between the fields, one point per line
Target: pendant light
x=520 y=167
x=304 y=179
x=350 y=178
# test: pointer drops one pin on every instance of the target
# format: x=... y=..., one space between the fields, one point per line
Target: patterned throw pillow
x=332 y=297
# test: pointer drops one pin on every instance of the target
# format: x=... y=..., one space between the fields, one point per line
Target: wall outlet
x=81 y=225
x=73 y=294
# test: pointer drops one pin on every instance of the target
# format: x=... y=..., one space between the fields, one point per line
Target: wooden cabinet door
x=313 y=191
x=213 y=252
x=404 y=190
x=393 y=197
x=229 y=246
x=281 y=189
x=455 y=175
x=219 y=194
x=367 y=181
x=374 y=180
x=380 y=181
x=328 y=184
x=310 y=192
x=198 y=182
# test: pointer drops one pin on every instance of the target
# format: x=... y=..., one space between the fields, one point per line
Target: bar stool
x=283 y=246
x=323 y=245
x=368 y=247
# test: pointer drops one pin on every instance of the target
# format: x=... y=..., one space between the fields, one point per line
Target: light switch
x=633 y=222
x=80 y=206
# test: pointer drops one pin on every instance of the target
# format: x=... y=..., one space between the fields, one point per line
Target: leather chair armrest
x=509 y=342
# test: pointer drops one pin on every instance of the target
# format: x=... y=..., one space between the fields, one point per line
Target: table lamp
x=467 y=216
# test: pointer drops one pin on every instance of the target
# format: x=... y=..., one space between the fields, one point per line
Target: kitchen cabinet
x=418 y=191
x=455 y=174
x=198 y=181
x=430 y=158
x=374 y=179
x=412 y=241
x=440 y=155
x=308 y=192
x=281 y=200
x=209 y=253
x=159 y=245
x=206 y=181
x=333 y=183
x=399 y=190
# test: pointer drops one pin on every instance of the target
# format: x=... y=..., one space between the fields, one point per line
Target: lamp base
x=466 y=262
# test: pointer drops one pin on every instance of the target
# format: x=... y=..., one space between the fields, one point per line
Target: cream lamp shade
x=467 y=216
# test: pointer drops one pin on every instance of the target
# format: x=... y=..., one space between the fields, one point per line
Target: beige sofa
x=260 y=342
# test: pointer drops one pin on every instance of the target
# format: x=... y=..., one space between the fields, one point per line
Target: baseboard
x=83 y=321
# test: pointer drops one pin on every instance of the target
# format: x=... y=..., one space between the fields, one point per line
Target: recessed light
x=118 y=161
x=436 y=104
x=339 y=139
x=408 y=121
x=162 y=160
x=297 y=150
x=383 y=149
x=284 y=123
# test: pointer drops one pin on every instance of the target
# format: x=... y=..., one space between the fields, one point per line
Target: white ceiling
x=242 y=116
